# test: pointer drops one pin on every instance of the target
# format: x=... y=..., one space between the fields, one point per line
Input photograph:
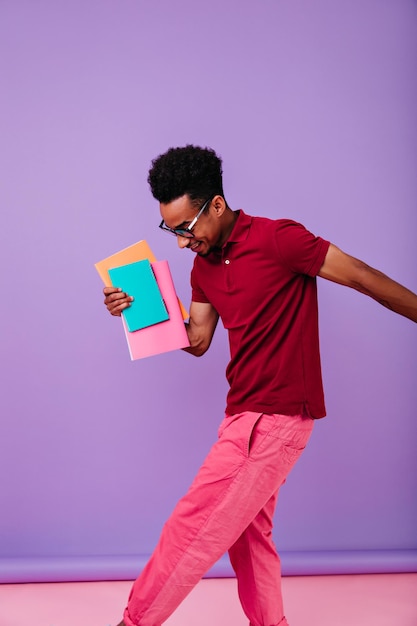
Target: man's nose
x=183 y=241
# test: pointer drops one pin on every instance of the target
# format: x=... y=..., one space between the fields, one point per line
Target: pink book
x=165 y=336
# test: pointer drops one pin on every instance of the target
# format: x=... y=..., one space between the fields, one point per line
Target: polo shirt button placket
x=227 y=275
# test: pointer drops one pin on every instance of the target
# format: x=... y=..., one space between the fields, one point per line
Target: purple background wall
x=312 y=106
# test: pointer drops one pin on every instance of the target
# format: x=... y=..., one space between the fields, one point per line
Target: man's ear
x=219 y=205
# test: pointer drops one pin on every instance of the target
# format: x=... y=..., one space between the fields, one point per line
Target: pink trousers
x=229 y=506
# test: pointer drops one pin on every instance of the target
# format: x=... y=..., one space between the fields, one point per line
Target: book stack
x=154 y=322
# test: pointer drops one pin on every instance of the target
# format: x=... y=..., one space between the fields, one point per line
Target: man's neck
x=229 y=219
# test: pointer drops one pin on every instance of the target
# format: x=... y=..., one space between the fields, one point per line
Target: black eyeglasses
x=184 y=232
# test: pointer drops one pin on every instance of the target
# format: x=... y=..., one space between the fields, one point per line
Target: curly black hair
x=189 y=170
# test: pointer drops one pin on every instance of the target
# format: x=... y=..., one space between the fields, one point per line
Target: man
x=259 y=276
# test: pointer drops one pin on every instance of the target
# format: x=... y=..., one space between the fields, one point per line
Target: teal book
x=138 y=280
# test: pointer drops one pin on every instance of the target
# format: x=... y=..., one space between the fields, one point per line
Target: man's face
x=206 y=233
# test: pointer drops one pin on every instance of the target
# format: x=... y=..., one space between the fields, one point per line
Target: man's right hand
x=116 y=300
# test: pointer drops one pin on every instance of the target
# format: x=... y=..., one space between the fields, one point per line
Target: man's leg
x=243 y=470
x=258 y=570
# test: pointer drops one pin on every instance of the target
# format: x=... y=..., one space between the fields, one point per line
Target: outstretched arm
x=344 y=269
x=201 y=326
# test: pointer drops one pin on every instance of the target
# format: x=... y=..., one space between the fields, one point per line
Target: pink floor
x=362 y=600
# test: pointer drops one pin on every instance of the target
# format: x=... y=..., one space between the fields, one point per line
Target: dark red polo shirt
x=262 y=283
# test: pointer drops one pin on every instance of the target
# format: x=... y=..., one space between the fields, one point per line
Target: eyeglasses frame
x=185 y=232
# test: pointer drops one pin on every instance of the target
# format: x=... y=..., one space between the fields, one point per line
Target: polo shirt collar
x=241 y=228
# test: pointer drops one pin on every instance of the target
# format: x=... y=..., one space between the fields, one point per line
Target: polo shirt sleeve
x=198 y=294
x=300 y=250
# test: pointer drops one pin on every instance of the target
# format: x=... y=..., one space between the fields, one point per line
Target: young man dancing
x=259 y=276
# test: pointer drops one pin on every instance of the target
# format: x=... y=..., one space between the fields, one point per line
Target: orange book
x=137 y=252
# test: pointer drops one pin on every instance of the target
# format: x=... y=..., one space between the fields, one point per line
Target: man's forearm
x=388 y=292
x=197 y=345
